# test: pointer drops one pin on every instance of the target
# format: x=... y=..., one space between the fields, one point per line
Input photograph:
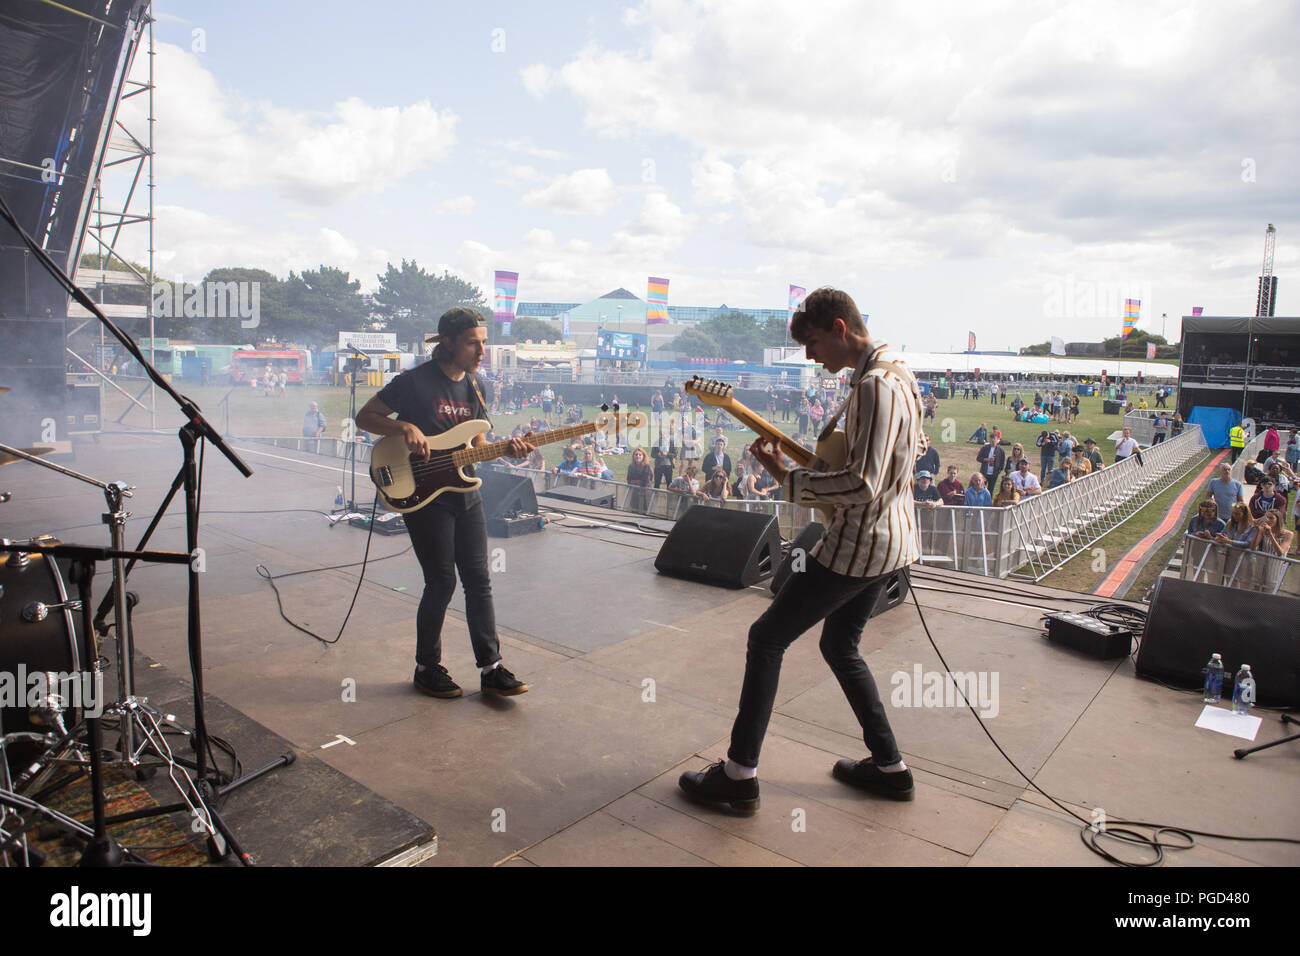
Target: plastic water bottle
x=338 y=503
x=1213 y=680
x=1243 y=691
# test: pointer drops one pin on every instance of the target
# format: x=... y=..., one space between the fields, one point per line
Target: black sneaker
x=865 y=775
x=501 y=681
x=714 y=788
x=436 y=682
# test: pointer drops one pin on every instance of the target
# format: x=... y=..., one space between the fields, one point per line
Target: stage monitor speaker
x=578 y=495
x=731 y=549
x=895 y=592
x=1189 y=621
x=507 y=495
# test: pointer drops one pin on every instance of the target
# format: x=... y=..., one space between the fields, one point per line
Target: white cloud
x=538 y=79
x=584 y=192
x=460 y=206
x=226 y=141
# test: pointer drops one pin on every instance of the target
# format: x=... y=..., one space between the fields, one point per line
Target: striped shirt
x=874 y=528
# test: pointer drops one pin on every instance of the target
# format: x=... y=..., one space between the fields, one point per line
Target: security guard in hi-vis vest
x=1237 y=440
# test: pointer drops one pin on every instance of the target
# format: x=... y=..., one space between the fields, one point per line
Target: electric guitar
x=832 y=451
x=407 y=482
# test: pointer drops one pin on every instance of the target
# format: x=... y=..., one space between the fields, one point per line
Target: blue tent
x=1214 y=423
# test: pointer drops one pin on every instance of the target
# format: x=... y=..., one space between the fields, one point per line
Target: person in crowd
x=535 y=460
x=1177 y=425
x=924 y=493
x=816 y=412
x=977 y=492
x=927 y=462
x=1161 y=426
x=787 y=404
x=931 y=405
x=1025 y=481
x=1225 y=490
x=687 y=483
x=802 y=415
x=1272 y=441
x=569 y=462
x=1281 y=479
x=1074 y=408
x=1292 y=453
x=951 y=488
x=1266 y=499
x=1126 y=446
x=639 y=473
x=1007 y=494
x=1062 y=474
x=1093 y=454
x=1271 y=535
x=1017 y=404
x=313 y=424
x=992 y=460
x=692 y=447
x=716 y=487
x=1066 y=447
x=993 y=394
x=1251 y=472
x=1013 y=460
x=1206 y=523
x=716 y=458
x=996 y=437
x=1236 y=441
x=1048 y=443
x=1240 y=527
x=664 y=457
x=980 y=436
x=754 y=489
x=1080 y=462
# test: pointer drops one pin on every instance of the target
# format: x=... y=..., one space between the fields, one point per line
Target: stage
x=635 y=678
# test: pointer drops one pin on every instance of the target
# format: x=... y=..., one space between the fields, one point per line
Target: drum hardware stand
x=196 y=429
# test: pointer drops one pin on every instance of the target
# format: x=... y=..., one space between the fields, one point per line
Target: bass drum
x=29 y=646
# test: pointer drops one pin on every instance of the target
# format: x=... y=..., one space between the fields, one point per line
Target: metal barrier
x=325 y=446
x=1058 y=524
x=1235 y=566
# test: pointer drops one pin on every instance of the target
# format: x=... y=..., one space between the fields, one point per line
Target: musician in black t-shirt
x=449 y=533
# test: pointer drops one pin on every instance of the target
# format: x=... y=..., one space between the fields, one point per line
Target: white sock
x=892 y=768
x=490 y=668
x=737 y=771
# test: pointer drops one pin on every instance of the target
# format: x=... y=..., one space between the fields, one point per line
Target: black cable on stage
x=1091 y=833
x=365 y=559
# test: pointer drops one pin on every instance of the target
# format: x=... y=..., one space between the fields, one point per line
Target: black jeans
x=449 y=538
x=807 y=597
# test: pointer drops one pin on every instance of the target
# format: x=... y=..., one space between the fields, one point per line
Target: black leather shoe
x=865 y=775
x=501 y=681
x=714 y=788
x=436 y=682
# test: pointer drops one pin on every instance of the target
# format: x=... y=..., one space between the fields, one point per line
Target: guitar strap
x=888 y=367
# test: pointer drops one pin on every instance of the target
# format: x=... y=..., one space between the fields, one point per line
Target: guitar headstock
x=709 y=391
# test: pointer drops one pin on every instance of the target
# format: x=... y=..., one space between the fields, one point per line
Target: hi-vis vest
x=1237 y=436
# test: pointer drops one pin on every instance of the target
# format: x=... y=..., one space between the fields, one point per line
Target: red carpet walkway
x=1133 y=558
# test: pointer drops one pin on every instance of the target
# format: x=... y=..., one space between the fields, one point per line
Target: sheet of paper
x=1223 y=721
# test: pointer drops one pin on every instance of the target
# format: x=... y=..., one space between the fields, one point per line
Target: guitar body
x=407 y=482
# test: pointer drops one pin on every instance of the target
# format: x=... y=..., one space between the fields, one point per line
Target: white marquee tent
x=1036 y=366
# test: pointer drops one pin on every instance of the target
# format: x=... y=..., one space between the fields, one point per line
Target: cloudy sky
x=1011 y=168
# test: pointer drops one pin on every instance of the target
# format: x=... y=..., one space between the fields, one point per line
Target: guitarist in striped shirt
x=871 y=537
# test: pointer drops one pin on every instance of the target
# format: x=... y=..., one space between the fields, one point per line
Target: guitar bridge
x=385 y=476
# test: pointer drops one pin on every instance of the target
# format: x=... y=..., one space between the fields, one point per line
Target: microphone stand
x=196 y=429
x=351 y=504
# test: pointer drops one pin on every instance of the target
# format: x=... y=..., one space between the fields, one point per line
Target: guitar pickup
x=385 y=476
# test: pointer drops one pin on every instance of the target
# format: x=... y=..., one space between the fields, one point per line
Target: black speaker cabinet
x=1189 y=621
x=505 y=494
x=894 y=592
x=731 y=549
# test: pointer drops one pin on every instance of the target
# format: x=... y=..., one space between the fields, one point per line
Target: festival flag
x=1151 y=350
x=656 y=312
x=1131 y=309
x=1196 y=310
x=970 y=341
x=505 y=284
x=1058 y=345
x=565 y=328
x=797 y=293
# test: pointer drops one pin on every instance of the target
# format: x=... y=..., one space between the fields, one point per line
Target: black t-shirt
x=929 y=494
x=433 y=403
x=927 y=462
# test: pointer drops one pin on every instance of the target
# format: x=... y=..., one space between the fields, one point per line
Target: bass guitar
x=407 y=482
x=832 y=451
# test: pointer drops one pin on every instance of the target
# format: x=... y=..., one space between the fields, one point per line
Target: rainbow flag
x=1131 y=309
x=656 y=298
x=797 y=293
x=505 y=286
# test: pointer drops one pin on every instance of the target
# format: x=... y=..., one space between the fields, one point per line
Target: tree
x=697 y=342
x=318 y=305
x=411 y=300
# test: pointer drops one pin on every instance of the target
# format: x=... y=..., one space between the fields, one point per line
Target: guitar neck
x=739 y=411
x=476 y=453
